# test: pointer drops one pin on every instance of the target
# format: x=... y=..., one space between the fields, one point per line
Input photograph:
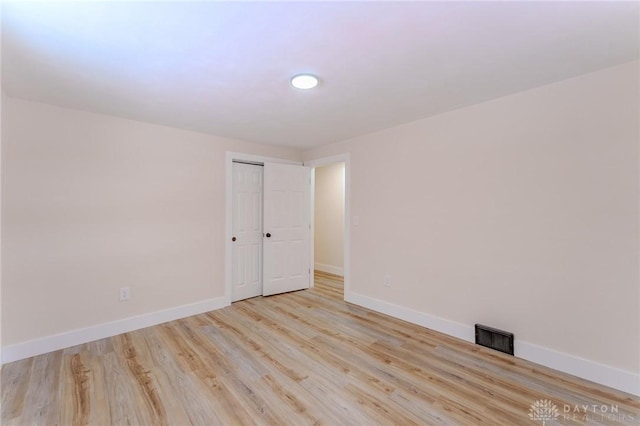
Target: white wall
x=1 y=219
x=329 y=219
x=520 y=213
x=1 y=120
x=92 y=203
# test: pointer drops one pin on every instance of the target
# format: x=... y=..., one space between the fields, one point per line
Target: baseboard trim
x=622 y=380
x=55 y=342
x=451 y=328
x=616 y=378
x=329 y=269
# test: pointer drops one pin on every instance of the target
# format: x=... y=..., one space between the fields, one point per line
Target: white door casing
x=247 y=231
x=286 y=228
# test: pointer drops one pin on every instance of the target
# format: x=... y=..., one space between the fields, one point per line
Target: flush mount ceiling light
x=304 y=81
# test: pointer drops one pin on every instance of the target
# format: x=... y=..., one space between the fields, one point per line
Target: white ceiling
x=224 y=67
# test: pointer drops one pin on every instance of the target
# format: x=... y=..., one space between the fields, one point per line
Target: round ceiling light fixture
x=304 y=81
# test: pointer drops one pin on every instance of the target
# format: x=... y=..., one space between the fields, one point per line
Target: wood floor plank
x=335 y=402
x=186 y=401
x=42 y=400
x=301 y=358
x=15 y=376
x=75 y=381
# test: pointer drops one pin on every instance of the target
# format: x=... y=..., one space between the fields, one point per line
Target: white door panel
x=247 y=231
x=286 y=228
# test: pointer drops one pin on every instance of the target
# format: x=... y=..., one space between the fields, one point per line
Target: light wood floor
x=294 y=359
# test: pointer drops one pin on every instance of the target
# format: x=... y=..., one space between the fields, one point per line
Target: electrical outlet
x=387 y=280
x=124 y=294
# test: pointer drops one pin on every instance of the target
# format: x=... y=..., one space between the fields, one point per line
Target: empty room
x=320 y=213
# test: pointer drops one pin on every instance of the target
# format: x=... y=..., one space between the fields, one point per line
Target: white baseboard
x=625 y=381
x=616 y=378
x=329 y=269
x=55 y=342
x=455 y=329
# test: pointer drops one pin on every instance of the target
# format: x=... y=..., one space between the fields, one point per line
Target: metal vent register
x=495 y=339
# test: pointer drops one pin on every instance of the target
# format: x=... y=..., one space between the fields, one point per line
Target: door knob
x=233 y=239
x=268 y=235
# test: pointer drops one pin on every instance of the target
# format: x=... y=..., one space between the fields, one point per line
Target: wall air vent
x=495 y=339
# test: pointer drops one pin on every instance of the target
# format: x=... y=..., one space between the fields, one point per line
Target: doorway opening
x=329 y=226
x=331 y=234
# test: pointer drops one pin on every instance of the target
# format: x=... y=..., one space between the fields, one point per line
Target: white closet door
x=286 y=228
x=247 y=231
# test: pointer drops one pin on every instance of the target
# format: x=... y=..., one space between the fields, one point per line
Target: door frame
x=230 y=157
x=326 y=161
